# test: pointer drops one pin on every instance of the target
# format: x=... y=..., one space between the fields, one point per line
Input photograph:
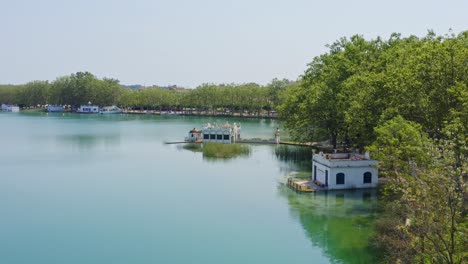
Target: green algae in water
x=225 y=151
x=340 y=222
x=218 y=150
x=195 y=147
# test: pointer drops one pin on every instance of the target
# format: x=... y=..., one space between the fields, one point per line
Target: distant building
x=344 y=171
x=172 y=88
x=10 y=108
x=176 y=88
x=133 y=86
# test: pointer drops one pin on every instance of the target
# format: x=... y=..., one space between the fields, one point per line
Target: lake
x=106 y=189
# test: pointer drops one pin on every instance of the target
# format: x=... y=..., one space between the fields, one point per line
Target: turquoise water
x=106 y=189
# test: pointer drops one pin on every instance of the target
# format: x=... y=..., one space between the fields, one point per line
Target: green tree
x=319 y=104
x=8 y=94
x=400 y=146
x=33 y=93
x=106 y=91
x=427 y=189
x=275 y=90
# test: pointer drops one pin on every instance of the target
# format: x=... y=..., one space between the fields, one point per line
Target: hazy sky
x=191 y=42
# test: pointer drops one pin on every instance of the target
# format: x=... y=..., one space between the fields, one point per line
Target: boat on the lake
x=88 y=109
x=110 y=110
x=55 y=108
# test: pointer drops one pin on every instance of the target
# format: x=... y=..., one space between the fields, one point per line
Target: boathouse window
x=212 y=136
x=367 y=177
x=340 y=178
x=219 y=137
x=226 y=137
x=206 y=136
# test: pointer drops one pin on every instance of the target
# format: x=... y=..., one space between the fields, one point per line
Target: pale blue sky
x=191 y=42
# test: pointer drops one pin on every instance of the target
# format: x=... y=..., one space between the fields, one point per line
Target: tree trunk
x=333 y=140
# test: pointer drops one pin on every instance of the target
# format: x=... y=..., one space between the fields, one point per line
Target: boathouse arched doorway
x=340 y=178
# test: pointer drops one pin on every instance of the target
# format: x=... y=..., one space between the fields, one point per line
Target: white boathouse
x=226 y=133
x=344 y=171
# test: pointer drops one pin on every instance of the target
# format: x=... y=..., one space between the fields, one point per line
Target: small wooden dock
x=255 y=141
x=300 y=185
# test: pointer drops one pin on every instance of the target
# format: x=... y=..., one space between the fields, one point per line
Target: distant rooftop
x=344 y=156
x=225 y=126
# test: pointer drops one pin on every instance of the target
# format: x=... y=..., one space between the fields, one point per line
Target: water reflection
x=89 y=141
x=339 y=222
x=295 y=157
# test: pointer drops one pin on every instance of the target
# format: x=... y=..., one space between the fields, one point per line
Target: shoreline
x=168 y=113
x=197 y=113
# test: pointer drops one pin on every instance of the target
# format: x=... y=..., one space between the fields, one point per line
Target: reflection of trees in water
x=339 y=222
x=88 y=141
x=296 y=157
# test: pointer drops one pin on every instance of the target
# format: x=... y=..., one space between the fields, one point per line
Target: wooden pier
x=254 y=141
x=300 y=185
x=178 y=142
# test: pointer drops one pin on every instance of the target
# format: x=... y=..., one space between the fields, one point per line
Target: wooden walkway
x=253 y=141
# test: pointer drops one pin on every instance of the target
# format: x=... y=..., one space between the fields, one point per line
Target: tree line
x=83 y=87
x=405 y=99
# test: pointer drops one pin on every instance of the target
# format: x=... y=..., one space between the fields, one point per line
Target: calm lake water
x=106 y=189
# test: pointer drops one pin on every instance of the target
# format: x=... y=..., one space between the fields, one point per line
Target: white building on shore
x=10 y=108
x=344 y=171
